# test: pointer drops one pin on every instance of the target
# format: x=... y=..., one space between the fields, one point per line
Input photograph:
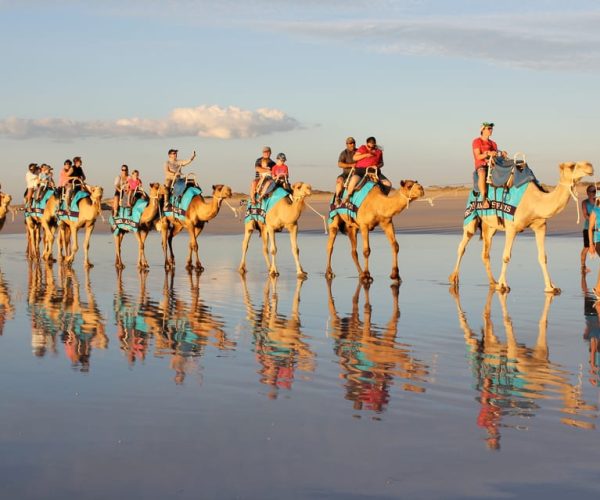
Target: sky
x=124 y=81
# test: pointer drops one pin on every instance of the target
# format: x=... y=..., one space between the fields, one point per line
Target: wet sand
x=440 y=211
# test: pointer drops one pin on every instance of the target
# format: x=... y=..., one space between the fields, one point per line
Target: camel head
x=5 y=200
x=221 y=191
x=97 y=192
x=411 y=189
x=154 y=190
x=572 y=173
x=301 y=190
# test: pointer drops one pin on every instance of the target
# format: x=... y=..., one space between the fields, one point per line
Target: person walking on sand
x=587 y=206
x=594 y=239
x=347 y=163
x=484 y=149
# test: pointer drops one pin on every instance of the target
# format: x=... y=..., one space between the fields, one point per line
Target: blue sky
x=123 y=81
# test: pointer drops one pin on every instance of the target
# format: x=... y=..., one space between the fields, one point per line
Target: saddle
x=506 y=173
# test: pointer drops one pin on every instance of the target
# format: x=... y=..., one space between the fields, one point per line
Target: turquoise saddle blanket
x=178 y=204
x=37 y=207
x=351 y=207
x=258 y=211
x=73 y=214
x=128 y=219
x=503 y=203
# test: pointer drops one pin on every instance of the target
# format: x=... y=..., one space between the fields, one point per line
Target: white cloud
x=203 y=121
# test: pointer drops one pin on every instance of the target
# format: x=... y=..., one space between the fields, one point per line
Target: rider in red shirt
x=484 y=149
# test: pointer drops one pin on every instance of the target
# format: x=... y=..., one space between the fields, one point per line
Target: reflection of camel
x=183 y=331
x=279 y=343
x=284 y=215
x=148 y=221
x=89 y=210
x=511 y=378
x=6 y=306
x=199 y=212
x=376 y=210
x=5 y=200
x=59 y=311
x=48 y=222
x=370 y=356
x=535 y=208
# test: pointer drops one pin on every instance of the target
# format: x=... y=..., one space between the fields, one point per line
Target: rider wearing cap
x=173 y=166
x=484 y=149
x=347 y=163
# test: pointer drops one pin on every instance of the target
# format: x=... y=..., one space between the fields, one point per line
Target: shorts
x=345 y=173
x=586 y=239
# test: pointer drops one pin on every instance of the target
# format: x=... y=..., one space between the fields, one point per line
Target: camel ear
x=296 y=185
x=402 y=183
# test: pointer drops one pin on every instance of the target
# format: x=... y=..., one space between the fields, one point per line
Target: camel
x=89 y=210
x=284 y=214
x=535 y=209
x=5 y=200
x=199 y=212
x=48 y=222
x=376 y=210
x=148 y=221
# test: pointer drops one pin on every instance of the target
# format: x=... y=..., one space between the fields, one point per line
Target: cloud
x=559 y=41
x=203 y=121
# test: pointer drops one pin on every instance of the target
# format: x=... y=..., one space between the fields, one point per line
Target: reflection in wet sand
x=279 y=344
x=7 y=309
x=370 y=356
x=513 y=379
x=182 y=331
x=591 y=334
x=57 y=312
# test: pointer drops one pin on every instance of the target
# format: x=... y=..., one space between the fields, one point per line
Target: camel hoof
x=119 y=266
x=199 y=268
x=366 y=278
x=274 y=273
x=88 y=265
x=554 y=291
x=502 y=288
x=453 y=279
x=242 y=270
x=302 y=275
x=329 y=274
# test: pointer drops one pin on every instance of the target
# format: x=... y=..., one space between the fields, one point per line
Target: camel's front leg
x=142 y=262
x=118 y=242
x=247 y=235
x=540 y=238
x=74 y=244
x=48 y=241
x=86 y=246
x=488 y=234
x=293 y=229
x=332 y=230
x=194 y=232
x=164 y=230
x=273 y=247
x=506 y=255
x=388 y=229
x=468 y=232
x=353 y=248
x=264 y=236
x=366 y=275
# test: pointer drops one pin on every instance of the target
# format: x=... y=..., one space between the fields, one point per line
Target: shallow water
x=183 y=387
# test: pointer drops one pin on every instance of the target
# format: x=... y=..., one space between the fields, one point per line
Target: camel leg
x=74 y=246
x=247 y=234
x=141 y=237
x=86 y=246
x=48 y=240
x=506 y=255
x=488 y=234
x=273 y=246
x=366 y=275
x=468 y=232
x=293 y=229
x=540 y=238
x=264 y=236
x=333 y=230
x=164 y=240
x=353 y=245
x=118 y=242
x=193 y=249
x=388 y=229
x=173 y=231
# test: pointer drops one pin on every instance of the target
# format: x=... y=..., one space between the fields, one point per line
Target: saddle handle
x=521 y=155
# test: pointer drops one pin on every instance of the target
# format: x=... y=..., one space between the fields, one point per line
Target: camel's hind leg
x=118 y=241
x=248 y=229
x=194 y=233
x=273 y=250
x=142 y=261
x=488 y=234
x=468 y=232
x=332 y=230
x=49 y=235
x=388 y=229
x=366 y=275
x=86 y=246
x=352 y=230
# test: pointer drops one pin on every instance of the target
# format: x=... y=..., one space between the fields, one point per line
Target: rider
x=262 y=167
x=369 y=155
x=75 y=175
x=172 y=170
x=133 y=184
x=484 y=149
x=32 y=180
x=280 y=171
x=45 y=181
x=120 y=187
x=345 y=161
